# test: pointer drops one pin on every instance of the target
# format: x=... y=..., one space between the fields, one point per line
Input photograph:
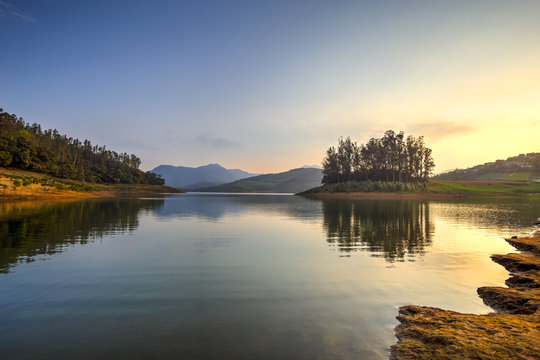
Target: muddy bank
x=511 y=333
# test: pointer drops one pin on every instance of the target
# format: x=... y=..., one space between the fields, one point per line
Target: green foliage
x=517 y=176
x=16 y=182
x=503 y=189
x=25 y=146
x=5 y=158
x=370 y=186
x=392 y=158
x=517 y=168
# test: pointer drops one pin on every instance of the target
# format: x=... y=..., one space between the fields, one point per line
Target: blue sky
x=268 y=85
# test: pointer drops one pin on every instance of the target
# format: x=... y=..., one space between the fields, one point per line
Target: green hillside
x=292 y=181
x=523 y=167
x=26 y=146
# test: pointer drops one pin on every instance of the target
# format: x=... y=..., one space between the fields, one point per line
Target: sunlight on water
x=239 y=276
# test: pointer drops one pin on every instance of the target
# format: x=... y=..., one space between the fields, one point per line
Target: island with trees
x=390 y=159
x=398 y=166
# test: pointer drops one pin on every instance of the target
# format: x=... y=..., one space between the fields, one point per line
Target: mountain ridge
x=291 y=181
x=186 y=177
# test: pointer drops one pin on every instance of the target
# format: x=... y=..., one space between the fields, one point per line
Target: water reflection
x=395 y=230
x=215 y=207
x=30 y=229
x=505 y=214
x=237 y=276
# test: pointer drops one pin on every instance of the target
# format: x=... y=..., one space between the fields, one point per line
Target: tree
x=29 y=147
x=330 y=167
x=390 y=159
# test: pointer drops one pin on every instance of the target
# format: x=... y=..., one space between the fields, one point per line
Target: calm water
x=238 y=276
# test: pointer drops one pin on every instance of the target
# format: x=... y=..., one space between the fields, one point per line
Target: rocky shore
x=513 y=332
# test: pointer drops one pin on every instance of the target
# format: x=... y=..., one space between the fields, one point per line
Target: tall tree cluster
x=27 y=146
x=392 y=158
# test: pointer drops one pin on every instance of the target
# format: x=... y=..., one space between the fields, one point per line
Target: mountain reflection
x=30 y=229
x=214 y=207
x=394 y=230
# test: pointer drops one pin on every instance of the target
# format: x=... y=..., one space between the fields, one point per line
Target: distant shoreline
x=18 y=184
x=94 y=194
x=435 y=190
x=384 y=195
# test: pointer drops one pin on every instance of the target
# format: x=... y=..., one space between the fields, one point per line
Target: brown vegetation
x=512 y=333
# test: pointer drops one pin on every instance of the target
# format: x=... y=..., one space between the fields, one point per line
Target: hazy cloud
x=172 y=134
x=138 y=142
x=437 y=130
x=7 y=9
x=217 y=143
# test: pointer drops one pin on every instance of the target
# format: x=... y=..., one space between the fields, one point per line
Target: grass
x=26 y=178
x=518 y=176
x=26 y=182
x=368 y=186
x=489 y=176
x=457 y=188
x=495 y=188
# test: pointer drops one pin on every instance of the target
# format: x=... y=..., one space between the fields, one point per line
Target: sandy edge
x=69 y=194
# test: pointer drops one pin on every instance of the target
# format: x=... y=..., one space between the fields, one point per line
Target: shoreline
x=435 y=190
x=107 y=191
x=16 y=184
x=384 y=195
x=512 y=332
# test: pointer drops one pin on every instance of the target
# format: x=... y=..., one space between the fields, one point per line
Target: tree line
x=27 y=146
x=392 y=158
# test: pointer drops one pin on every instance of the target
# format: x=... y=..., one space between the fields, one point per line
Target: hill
x=24 y=184
x=26 y=146
x=292 y=181
x=523 y=167
x=202 y=176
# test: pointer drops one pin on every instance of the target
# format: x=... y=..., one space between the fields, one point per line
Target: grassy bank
x=21 y=184
x=432 y=189
x=513 y=333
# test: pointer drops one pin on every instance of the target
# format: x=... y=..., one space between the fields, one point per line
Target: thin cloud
x=172 y=135
x=7 y=9
x=137 y=142
x=437 y=130
x=217 y=143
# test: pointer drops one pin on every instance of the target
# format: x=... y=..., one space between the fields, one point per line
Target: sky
x=267 y=86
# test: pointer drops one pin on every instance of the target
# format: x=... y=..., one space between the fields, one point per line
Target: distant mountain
x=189 y=177
x=311 y=166
x=292 y=181
x=523 y=167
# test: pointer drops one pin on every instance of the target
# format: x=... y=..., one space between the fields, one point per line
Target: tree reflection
x=30 y=229
x=395 y=230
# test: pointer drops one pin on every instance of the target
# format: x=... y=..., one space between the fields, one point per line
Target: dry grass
x=21 y=184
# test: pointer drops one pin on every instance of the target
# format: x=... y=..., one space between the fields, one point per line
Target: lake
x=216 y=276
